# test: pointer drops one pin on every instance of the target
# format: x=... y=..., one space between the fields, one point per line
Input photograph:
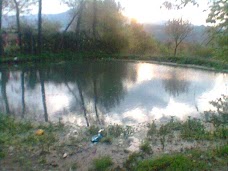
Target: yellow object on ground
x=39 y=132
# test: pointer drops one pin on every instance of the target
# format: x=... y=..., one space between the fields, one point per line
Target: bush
x=103 y=163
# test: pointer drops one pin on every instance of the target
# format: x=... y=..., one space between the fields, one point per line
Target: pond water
x=107 y=92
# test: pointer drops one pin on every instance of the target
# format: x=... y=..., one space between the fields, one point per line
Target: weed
x=133 y=160
x=93 y=130
x=74 y=167
x=103 y=163
x=115 y=130
x=145 y=147
x=222 y=151
x=193 y=129
x=176 y=162
x=107 y=140
x=152 y=129
x=2 y=154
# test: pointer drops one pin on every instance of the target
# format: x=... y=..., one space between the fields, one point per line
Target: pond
x=107 y=92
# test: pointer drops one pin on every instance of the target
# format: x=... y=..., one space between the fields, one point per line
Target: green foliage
x=139 y=41
x=117 y=130
x=193 y=129
x=222 y=151
x=10 y=128
x=133 y=160
x=2 y=154
x=219 y=117
x=177 y=162
x=145 y=147
x=219 y=17
x=22 y=133
x=93 y=130
x=102 y=163
x=107 y=140
x=152 y=129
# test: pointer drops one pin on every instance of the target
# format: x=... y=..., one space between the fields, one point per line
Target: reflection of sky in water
x=147 y=99
x=157 y=92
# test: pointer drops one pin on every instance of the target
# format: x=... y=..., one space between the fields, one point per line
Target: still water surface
x=108 y=92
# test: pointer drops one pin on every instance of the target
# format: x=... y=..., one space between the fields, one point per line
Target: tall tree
x=79 y=21
x=1 y=42
x=94 y=19
x=178 y=30
x=20 y=7
x=40 y=27
x=219 y=17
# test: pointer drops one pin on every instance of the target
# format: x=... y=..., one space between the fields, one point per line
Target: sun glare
x=145 y=11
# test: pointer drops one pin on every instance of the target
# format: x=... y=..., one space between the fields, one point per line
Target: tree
x=20 y=7
x=40 y=27
x=1 y=42
x=178 y=30
x=140 y=42
x=219 y=17
x=94 y=19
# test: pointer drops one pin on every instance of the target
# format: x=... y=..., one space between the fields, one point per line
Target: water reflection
x=176 y=84
x=102 y=92
x=4 y=80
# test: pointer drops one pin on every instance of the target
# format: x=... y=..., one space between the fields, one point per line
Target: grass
x=102 y=163
x=55 y=57
x=21 y=134
x=190 y=160
x=169 y=163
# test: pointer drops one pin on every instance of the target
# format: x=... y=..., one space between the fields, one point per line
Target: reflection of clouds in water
x=147 y=96
x=179 y=110
x=220 y=87
x=147 y=99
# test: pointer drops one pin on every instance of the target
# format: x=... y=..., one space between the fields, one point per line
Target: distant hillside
x=62 y=18
x=158 y=31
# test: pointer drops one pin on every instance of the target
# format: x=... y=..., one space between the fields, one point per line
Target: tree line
x=99 y=26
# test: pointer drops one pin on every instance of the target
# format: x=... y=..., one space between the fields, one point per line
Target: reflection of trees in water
x=4 y=81
x=23 y=92
x=175 y=85
x=41 y=74
x=99 y=83
x=96 y=83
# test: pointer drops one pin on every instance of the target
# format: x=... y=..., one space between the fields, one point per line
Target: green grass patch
x=103 y=163
x=169 y=163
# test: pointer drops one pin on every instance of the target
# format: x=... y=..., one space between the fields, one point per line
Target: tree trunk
x=40 y=28
x=18 y=24
x=23 y=92
x=175 y=51
x=95 y=99
x=43 y=95
x=78 y=26
x=94 y=19
x=69 y=24
x=83 y=103
x=1 y=41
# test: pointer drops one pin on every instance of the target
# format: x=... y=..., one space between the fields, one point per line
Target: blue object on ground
x=96 y=138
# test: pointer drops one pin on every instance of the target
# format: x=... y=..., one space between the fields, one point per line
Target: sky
x=144 y=11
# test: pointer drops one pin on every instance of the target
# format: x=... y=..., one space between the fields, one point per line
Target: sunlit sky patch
x=144 y=11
